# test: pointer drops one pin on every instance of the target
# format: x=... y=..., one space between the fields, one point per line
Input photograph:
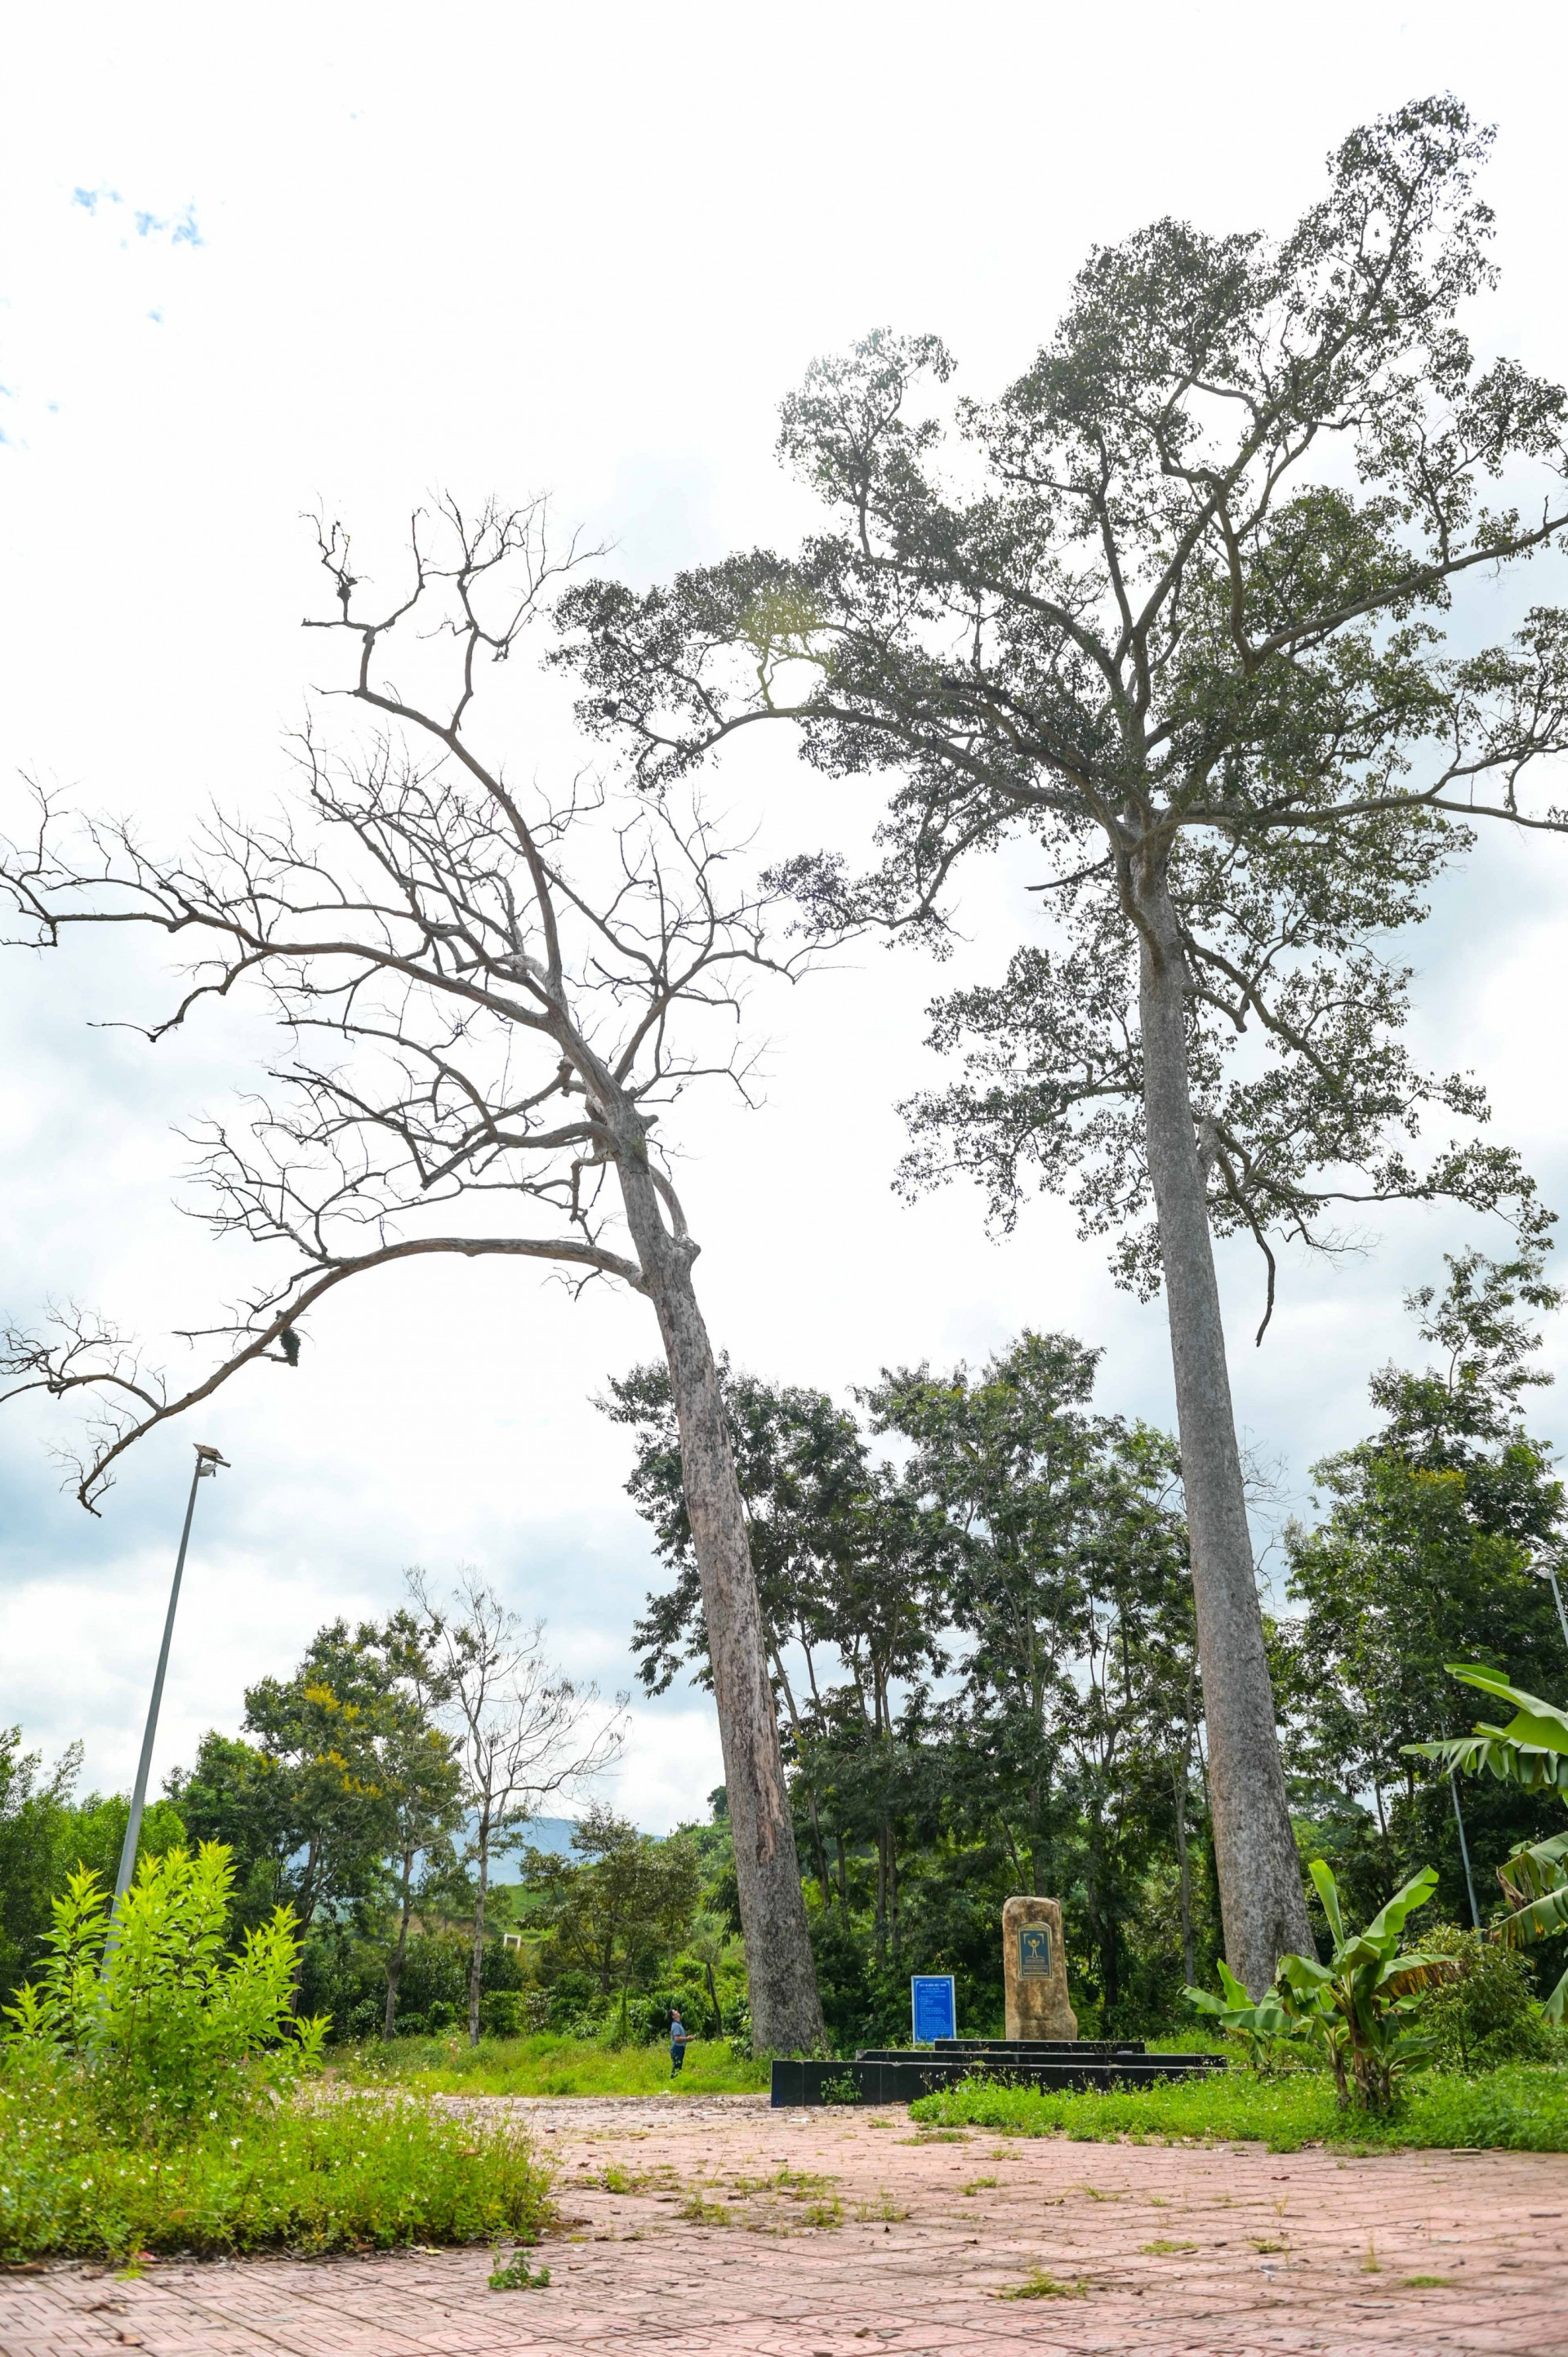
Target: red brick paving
x=630 y=2274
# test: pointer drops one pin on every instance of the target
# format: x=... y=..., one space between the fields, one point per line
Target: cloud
x=180 y=228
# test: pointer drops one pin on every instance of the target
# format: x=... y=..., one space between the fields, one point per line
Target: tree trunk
x=714 y=2001
x=477 y=1965
x=785 y=2011
x=800 y=1735
x=394 y=1963
x=1183 y=1867
x=1261 y=1897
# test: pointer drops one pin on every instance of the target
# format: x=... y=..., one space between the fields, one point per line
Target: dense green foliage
x=985 y=1660
x=46 y=1833
x=147 y=2022
x=1424 y=1558
x=987 y=1665
x=327 y=2176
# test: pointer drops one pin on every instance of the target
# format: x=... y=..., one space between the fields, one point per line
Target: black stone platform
x=887 y=2074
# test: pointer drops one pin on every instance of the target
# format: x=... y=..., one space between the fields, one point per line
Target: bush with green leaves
x=1486 y=2013
x=167 y=2032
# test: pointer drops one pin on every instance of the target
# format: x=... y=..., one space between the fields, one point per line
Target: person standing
x=679 y=2037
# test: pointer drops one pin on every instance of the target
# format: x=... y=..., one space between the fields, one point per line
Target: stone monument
x=1034 y=1965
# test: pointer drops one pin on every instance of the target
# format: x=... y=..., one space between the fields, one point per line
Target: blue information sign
x=932 y=2000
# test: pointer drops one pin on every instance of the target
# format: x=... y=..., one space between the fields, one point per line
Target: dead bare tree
x=488 y=995
x=524 y=1733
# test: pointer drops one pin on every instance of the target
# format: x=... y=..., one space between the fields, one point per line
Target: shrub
x=162 y=2030
x=1486 y=2014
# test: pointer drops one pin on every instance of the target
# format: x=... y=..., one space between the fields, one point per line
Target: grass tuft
x=1040 y=2283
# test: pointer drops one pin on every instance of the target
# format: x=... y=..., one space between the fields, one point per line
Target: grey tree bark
x=1261 y=1895
x=477 y=1948
x=786 y=2010
x=394 y=1962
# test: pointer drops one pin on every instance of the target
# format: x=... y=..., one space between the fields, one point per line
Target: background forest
x=979 y=1626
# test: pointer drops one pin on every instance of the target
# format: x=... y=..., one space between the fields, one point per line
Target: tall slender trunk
x=786 y=2010
x=1184 y=1865
x=879 y=1922
x=1261 y=1897
x=476 y=1963
x=394 y=1962
x=798 y=1732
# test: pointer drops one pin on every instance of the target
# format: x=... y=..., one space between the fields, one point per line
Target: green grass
x=318 y=2176
x=547 y=2065
x=1521 y=2107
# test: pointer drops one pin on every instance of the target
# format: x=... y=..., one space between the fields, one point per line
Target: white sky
x=505 y=248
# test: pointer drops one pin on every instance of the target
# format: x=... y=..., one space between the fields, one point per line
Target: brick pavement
x=705 y=2246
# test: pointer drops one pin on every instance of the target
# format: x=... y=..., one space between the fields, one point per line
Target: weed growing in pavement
x=1426 y=2283
x=977 y=2185
x=519 y=2275
x=843 y=2090
x=883 y=2210
x=1040 y=2283
x=1163 y=2250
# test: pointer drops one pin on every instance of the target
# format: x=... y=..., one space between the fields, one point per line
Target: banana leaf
x=1538 y=1723
x=1511 y=1761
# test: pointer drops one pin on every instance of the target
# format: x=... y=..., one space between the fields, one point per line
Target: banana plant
x=1261 y=2027
x=1532 y=1750
x=1359 y=2008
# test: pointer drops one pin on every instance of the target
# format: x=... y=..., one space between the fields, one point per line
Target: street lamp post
x=1464 y=1849
x=207 y=1463
x=1548 y=1572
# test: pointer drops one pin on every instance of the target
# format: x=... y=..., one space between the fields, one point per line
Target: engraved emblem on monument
x=1035 y=1952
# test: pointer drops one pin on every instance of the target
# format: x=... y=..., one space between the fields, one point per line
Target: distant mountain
x=551 y=1834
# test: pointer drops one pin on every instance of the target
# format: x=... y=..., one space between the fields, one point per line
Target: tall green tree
x=303 y=1798
x=1069 y=1585
x=1171 y=607
x=420 y=1771
x=850 y=1616
x=35 y=1808
x=619 y=1905
x=1425 y=1555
